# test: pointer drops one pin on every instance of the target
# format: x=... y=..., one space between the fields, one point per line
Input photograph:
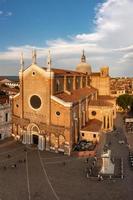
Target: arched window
x=6 y=116
x=108 y=123
x=69 y=83
x=57 y=85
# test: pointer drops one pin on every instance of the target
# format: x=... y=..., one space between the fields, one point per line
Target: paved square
x=36 y=175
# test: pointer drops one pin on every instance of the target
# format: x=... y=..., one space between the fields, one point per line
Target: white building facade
x=5 y=120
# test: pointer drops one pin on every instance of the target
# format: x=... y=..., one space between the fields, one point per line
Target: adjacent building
x=5 y=117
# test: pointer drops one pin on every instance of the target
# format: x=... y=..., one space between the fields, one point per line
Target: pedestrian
x=64 y=163
x=87 y=175
x=99 y=177
x=93 y=163
x=8 y=156
x=95 y=158
x=90 y=171
x=13 y=166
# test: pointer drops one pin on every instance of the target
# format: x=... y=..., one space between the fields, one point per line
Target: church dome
x=83 y=66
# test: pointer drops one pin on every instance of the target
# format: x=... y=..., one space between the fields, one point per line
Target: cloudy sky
x=103 y=28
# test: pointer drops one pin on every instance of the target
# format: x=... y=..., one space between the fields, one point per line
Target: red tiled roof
x=95 y=74
x=100 y=102
x=65 y=72
x=93 y=125
x=106 y=97
x=76 y=95
x=8 y=89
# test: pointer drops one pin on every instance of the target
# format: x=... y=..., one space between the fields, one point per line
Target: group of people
x=10 y=164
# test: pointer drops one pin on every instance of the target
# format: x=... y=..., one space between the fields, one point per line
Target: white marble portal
x=28 y=139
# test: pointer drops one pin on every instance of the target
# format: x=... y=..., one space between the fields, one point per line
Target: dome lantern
x=83 y=66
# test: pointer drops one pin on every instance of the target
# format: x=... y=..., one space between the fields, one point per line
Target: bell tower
x=104 y=72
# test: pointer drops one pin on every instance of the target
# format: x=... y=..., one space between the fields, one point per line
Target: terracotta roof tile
x=8 y=89
x=95 y=74
x=106 y=97
x=76 y=95
x=100 y=102
x=93 y=125
x=66 y=72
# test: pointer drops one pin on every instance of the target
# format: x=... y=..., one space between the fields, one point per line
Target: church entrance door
x=35 y=139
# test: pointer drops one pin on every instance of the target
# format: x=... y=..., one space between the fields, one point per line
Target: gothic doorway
x=35 y=139
x=33 y=136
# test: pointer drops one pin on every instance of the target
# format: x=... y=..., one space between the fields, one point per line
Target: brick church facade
x=56 y=108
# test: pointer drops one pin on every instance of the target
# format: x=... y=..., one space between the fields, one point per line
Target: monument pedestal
x=107 y=165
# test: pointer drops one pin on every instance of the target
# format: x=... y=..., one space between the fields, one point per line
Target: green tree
x=125 y=101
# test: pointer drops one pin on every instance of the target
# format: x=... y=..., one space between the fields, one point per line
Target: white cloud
x=8 y=14
x=1 y=12
x=5 y=13
x=125 y=49
x=110 y=44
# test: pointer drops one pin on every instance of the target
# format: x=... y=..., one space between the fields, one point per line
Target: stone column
x=80 y=116
x=83 y=112
x=28 y=138
x=86 y=80
x=47 y=142
x=56 y=144
x=41 y=143
x=86 y=111
x=112 y=120
x=81 y=82
x=76 y=129
x=74 y=82
x=65 y=82
x=106 y=118
x=24 y=137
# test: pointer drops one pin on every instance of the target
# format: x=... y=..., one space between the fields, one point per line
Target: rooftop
x=106 y=97
x=95 y=74
x=76 y=95
x=100 y=102
x=65 y=72
x=93 y=125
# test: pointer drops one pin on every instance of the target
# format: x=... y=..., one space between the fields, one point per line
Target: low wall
x=84 y=154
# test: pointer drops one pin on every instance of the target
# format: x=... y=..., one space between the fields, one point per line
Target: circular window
x=93 y=113
x=17 y=105
x=35 y=101
x=58 y=113
x=33 y=73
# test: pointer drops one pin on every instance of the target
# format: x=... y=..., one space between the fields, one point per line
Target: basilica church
x=57 y=108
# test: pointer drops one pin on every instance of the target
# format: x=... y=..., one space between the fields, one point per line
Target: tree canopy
x=125 y=101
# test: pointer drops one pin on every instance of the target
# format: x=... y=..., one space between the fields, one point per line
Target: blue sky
x=35 y=21
x=101 y=27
